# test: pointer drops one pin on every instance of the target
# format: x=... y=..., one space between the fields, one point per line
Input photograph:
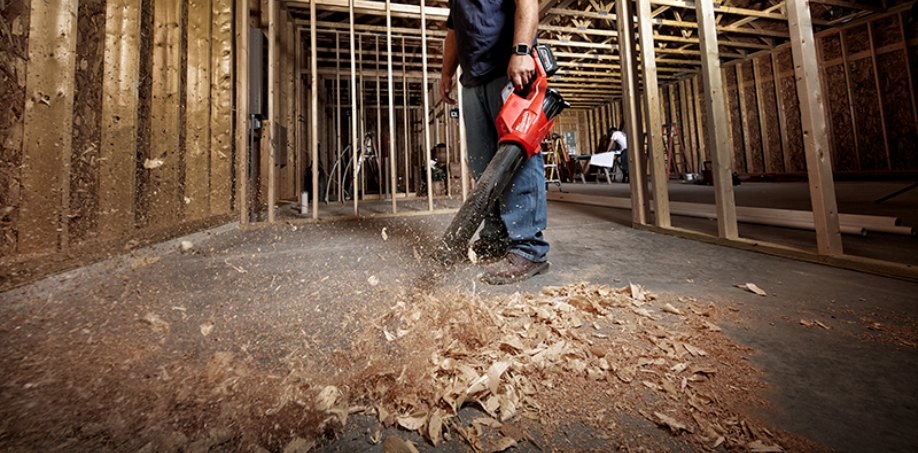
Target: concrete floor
x=830 y=386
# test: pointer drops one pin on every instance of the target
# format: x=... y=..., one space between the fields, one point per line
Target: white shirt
x=618 y=137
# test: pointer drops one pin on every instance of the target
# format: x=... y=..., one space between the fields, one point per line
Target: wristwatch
x=521 y=49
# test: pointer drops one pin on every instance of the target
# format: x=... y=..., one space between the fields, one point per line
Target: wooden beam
x=118 y=151
x=782 y=116
x=314 y=112
x=717 y=139
x=375 y=8
x=721 y=10
x=813 y=121
x=197 y=111
x=425 y=89
x=654 y=119
x=48 y=128
x=640 y=210
x=355 y=141
x=242 y=110
x=393 y=161
x=744 y=118
x=760 y=108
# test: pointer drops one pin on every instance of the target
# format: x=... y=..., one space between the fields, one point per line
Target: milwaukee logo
x=524 y=122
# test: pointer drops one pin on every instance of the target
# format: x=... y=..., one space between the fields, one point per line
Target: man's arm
x=525 y=26
x=450 y=63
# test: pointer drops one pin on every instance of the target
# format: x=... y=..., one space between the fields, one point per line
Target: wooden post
x=854 y=128
x=197 y=111
x=425 y=90
x=876 y=78
x=815 y=140
x=405 y=130
x=379 y=158
x=290 y=74
x=299 y=127
x=162 y=194
x=463 y=144
x=699 y=119
x=119 y=118
x=338 y=168
x=354 y=140
x=715 y=104
x=728 y=118
x=393 y=162
x=314 y=107
x=242 y=110
x=631 y=100
x=687 y=129
x=271 y=128
x=654 y=121
x=221 y=115
x=782 y=118
x=48 y=128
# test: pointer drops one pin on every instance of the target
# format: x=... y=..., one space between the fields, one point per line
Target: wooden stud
x=406 y=129
x=813 y=121
x=221 y=115
x=197 y=111
x=688 y=131
x=908 y=67
x=631 y=99
x=654 y=119
x=425 y=90
x=314 y=112
x=854 y=128
x=354 y=139
x=119 y=118
x=729 y=119
x=463 y=144
x=291 y=121
x=162 y=196
x=338 y=118
x=242 y=110
x=744 y=118
x=876 y=78
x=361 y=189
x=760 y=106
x=299 y=94
x=833 y=150
x=378 y=139
x=271 y=128
x=393 y=162
x=48 y=128
x=717 y=139
x=782 y=117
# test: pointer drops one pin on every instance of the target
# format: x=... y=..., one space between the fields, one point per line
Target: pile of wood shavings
x=534 y=358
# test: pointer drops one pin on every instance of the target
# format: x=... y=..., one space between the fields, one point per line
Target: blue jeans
x=521 y=213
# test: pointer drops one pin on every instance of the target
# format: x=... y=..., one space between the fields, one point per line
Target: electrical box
x=258 y=73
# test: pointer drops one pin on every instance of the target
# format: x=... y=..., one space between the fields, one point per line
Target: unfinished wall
x=869 y=82
x=94 y=156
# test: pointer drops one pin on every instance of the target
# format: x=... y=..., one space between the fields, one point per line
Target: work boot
x=513 y=269
x=488 y=251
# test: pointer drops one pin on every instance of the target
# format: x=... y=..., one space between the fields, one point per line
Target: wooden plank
x=119 y=118
x=640 y=210
x=715 y=105
x=655 y=122
x=699 y=118
x=876 y=78
x=406 y=128
x=378 y=137
x=162 y=195
x=782 y=117
x=221 y=116
x=242 y=110
x=744 y=117
x=729 y=117
x=815 y=139
x=197 y=111
x=300 y=93
x=688 y=133
x=291 y=121
x=271 y=126
x=48 y=128
x=393 y=154
x=314 y=111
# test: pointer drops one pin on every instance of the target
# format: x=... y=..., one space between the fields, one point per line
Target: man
x=492 y=40
x=619 y=142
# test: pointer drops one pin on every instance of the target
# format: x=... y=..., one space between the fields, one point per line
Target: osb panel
x=886 y=31
x=87 y=121
x=843 y=145
x=897 y=107
x=857 y=39
x=142 y=177
x=785 y=61
x=772 y=133
x=748 y=75
x=794 y=154
x=753 y=130
x=12 y=104
x=831 y=47
x=736 y=126
x=867 y=116
x=730 y=76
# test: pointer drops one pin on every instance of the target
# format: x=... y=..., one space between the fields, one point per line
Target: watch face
x=521 y=49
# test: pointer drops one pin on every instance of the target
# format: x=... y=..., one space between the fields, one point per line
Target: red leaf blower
x=522 y=123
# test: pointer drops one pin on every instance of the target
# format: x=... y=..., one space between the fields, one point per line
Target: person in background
x=617 y=142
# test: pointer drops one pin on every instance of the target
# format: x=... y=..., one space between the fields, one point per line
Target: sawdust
x=578 y=355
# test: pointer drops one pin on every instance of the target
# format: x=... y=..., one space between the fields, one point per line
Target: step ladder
x=673 y=138
x=551 y=160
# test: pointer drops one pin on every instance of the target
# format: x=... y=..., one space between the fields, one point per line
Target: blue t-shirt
x=484 y=37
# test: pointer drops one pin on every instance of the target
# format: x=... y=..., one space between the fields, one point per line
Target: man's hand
x=446 y=88
x=520 y=70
